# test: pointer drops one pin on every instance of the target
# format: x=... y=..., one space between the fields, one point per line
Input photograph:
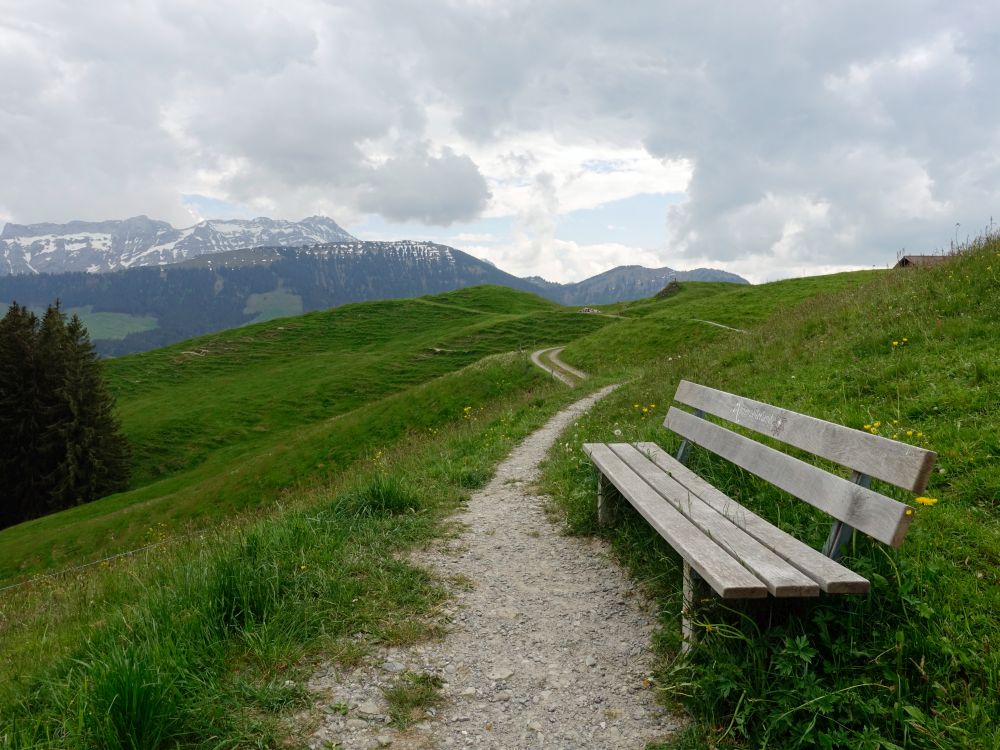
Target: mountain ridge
x=138 y=283
x=625 y=283
x=101 y=246
x=226 y=290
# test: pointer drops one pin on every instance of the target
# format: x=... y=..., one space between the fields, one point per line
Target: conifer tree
x=94 y=457
x=20 y=415
x=60 y=441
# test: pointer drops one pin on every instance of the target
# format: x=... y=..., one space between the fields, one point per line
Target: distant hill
x=625 y=283
x=225 y=290
x=99 y=246
x=143 y=308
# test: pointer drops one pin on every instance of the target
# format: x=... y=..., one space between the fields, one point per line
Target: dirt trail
x=547 y=643
x=557 y=368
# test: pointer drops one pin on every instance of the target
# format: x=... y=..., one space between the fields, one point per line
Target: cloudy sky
x=771 y=139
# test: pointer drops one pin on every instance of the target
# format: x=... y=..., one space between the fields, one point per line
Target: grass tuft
x=411 y=696
x=383 y=494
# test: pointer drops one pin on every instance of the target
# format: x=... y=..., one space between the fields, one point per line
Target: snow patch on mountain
x=101 y=246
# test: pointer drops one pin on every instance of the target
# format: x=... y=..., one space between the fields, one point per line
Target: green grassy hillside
x=228 y=422
x=650 y=329
x=281 y=472
x=311 y=453
x=910 y=354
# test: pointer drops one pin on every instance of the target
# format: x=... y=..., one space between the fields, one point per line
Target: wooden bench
x=736 y=552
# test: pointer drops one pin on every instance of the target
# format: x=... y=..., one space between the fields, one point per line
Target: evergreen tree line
x=60 y=440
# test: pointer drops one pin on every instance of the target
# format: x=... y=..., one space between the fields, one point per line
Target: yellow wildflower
x=868 y=426
x=909 y=433
x=927 y=500
x=895 y=343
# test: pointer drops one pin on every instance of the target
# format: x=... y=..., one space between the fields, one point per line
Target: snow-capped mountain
x=403 y=253
x=98 y=246
x=225 y=290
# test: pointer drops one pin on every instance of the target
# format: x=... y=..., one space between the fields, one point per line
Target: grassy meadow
x=909 y=354
x=285 y=468
x=230 y=423
x=280 y=471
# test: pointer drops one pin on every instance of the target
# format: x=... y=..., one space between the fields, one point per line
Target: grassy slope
x=650 y=328
x=280 y=303
x=104 y=325
x=228 y=422
x=205 y=641
x=915 y=664
x=209 y=642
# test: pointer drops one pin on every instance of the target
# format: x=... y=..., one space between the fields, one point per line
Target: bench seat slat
x=832 y=577
x=878 y=516
x=781 y=578
x=903 y=465
x=723 y=573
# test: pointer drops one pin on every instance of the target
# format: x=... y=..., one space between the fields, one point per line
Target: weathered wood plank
x=832 y=577
x=724 y=574
x=781 y=578
x=878 y=516
x=903 y=465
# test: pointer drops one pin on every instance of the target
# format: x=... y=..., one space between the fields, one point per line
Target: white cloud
x=806 y=136
x=564 y=261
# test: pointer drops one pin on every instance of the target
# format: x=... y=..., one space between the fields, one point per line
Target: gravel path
x=555 y=372
x=555 y=360
x=547 y=643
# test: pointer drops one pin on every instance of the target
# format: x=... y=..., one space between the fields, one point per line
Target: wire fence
x=127 y=553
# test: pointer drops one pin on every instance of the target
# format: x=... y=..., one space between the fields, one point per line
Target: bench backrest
x=880 y=517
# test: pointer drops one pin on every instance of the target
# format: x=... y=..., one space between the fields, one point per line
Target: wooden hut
x=920 y=260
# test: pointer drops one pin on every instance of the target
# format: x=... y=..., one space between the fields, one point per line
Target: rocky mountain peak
x=97 y=246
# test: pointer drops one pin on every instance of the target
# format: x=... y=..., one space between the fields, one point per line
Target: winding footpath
x=546 y=641
x=556 y=367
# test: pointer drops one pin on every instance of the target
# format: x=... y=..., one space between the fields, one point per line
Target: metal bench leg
x=682 y=452
x=687 y=607
x=607 y=501
x=840 y=532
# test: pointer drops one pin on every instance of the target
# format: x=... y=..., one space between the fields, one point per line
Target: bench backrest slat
x=878 y=516
x=897 y=463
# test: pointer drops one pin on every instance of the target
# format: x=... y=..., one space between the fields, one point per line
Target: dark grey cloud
x=430 y=189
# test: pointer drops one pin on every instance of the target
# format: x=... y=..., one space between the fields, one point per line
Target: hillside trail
x=556 y=367
x=547 y=640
